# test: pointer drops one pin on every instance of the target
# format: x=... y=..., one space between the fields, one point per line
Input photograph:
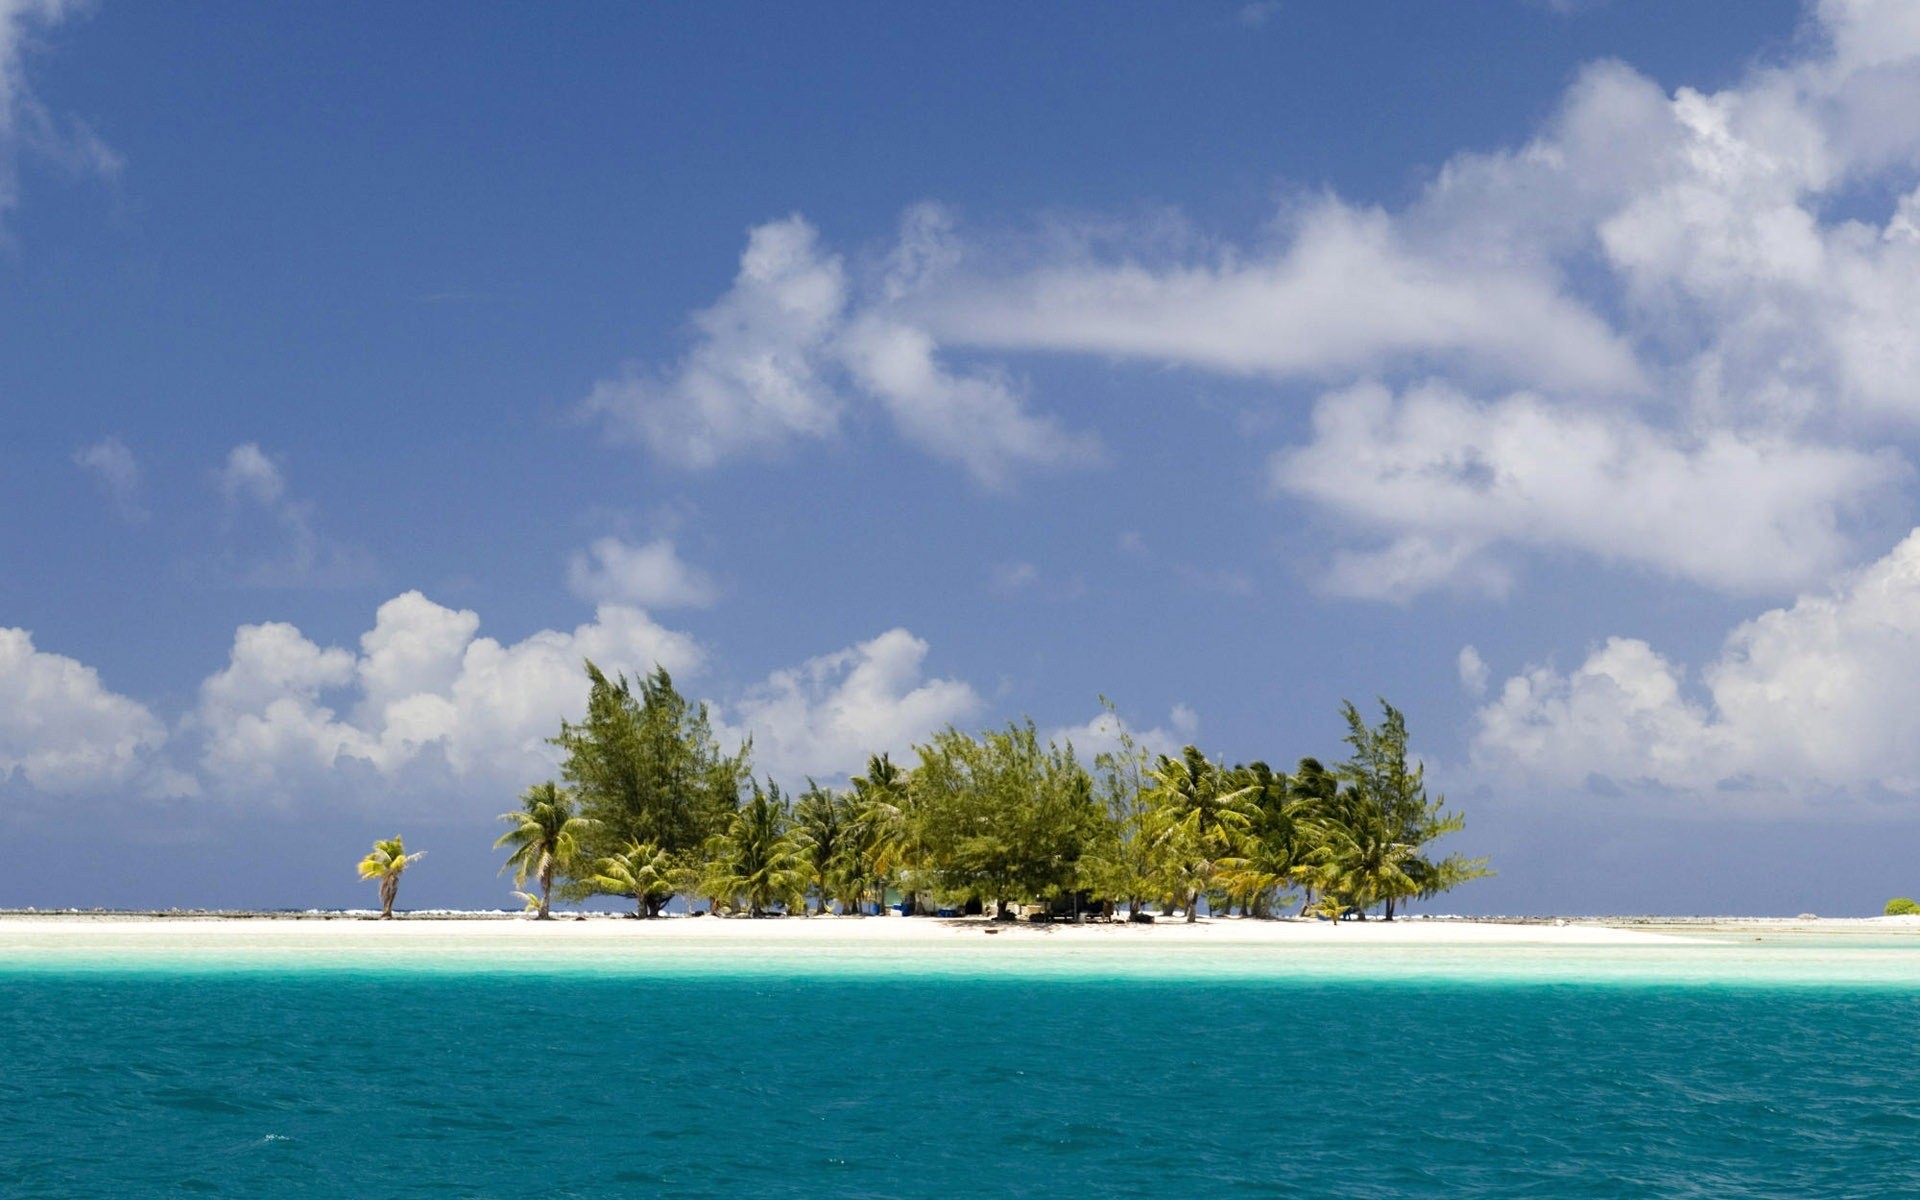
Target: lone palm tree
x=545 y=835
x=388 y=860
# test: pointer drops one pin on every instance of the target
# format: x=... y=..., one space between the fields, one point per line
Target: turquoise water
x=295 y=1081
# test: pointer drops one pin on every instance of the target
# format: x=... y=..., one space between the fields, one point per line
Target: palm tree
x=1317 y=790
x=822 y=826
x=758 y=859
x=1359 y=861
x=1195 y=821
x=1279 y=836
x=880 y=828
x=545 y=835
x=388 y=860
x=642 y=870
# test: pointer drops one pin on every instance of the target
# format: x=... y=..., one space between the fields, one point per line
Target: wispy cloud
x=27 y=126
x=274 y=538
x=651 y=574
x=117 y=471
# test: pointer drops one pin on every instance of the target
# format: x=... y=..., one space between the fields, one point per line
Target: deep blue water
x=484 y=1085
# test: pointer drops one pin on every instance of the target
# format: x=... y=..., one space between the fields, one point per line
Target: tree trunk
x=1193 y=909
x=546 y=891
x=389 y=889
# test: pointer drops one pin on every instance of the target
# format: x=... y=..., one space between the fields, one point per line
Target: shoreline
x=1431 y=950
x=1610 y=920
x=73 y=926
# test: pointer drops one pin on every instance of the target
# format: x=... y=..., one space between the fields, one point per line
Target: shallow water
x=1511 y=1071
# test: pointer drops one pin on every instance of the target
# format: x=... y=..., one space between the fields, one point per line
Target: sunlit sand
x=1878 y=952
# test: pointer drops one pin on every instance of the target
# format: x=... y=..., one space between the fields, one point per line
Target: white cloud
x=1012 y=577
x=1101 y=734
x=652 y=575
x=1451 y=481
x=824 y=717
x=1802 y=702
x=979 y=421
x=26 y=125
x=1473 y=671
x=118 y=472
x=1345 y=294
x=64 y=731
x=249 y=475
x=428 y=711
x=1682 y=284
x=1256 y=14
x=426 y=695
x=751 y=382
x=416 y=647
x=285 y=710
x=770 y=358
x=274 y=537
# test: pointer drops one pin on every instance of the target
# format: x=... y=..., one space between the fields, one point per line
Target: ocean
x=801 y=1076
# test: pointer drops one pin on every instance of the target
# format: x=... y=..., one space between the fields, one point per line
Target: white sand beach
x=477 y=931
x=1873 y=952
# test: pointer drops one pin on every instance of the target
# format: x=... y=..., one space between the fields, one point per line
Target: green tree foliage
x=640 y=870
x=826 y=831
x=883 y=851
x=1120 y=863
x=1376 y=834
x=388 y=861
x=545 y=837
x=647 y=771
x=1197 y=820
x=1001 y=816
x=1282 y=831
x=1902 y=906
x=757 y=859
x=653 y=810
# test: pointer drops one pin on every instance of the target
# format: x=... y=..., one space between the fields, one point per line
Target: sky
x=1547 y=369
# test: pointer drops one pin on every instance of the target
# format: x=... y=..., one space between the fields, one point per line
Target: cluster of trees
x=653 y=808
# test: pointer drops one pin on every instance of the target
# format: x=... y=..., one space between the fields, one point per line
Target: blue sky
x=1547 y=369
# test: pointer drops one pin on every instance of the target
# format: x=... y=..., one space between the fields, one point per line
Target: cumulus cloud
x=249 y=475
x=751 y=381
x=824 y=717
x=1802 y=703
x=285 y=710
x=26 y=125
x=653 y=575
x=1473 y=671
x=1101 y=734
x=426 y=709
x=62 y=730
x=1451 y=481
x=979 y=420
x=773 y=363
x=1699 y=290
x=274 y=537
x=117 y=471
